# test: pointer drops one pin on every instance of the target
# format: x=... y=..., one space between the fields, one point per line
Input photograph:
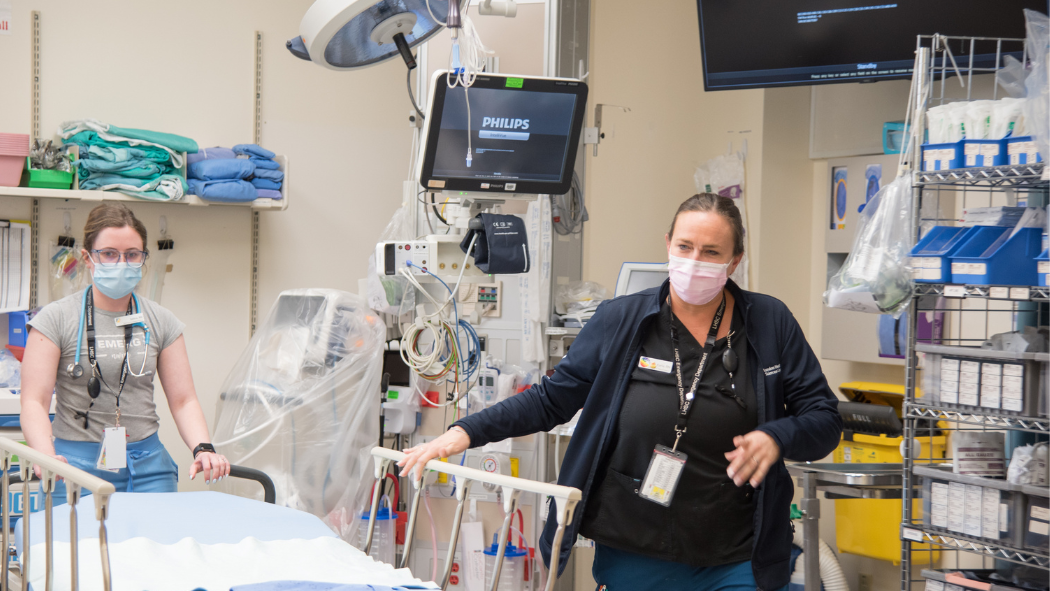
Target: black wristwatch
x=203 y=447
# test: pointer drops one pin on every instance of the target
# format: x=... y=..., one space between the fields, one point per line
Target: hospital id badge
x=661 y=479
x=114 y=452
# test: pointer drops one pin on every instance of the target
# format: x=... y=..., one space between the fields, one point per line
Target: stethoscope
x=75 y=370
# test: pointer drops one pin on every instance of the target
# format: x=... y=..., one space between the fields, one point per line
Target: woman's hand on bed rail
x=38 y=471
x=213 y=466
x=454 y=441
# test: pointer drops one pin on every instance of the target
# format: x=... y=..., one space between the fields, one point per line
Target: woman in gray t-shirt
x=98 y=350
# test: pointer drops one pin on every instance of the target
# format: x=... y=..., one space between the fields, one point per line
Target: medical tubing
x=442 y=24
x=412 y=98
x=831 y=575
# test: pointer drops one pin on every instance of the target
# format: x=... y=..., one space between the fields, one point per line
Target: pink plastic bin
x=14 y=148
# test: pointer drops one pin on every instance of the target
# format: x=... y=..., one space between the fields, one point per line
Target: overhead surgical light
x=351 y=34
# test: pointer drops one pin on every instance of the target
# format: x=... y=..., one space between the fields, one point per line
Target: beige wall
x=645 y=164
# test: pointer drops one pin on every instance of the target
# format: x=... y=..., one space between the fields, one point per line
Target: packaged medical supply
x=1028 y=465
x=1037 y=524
x=979 y=453
x=875 y=277
x=1037 y=102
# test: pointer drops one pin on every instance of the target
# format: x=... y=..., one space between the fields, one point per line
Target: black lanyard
x=686 y=400
x=93 y=388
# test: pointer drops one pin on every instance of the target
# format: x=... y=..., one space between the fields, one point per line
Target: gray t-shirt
x=59 y=322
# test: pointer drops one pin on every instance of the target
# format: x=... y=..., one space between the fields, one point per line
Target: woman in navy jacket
x=682 y=469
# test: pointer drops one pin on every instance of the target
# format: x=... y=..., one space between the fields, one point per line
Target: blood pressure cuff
x=502 y=246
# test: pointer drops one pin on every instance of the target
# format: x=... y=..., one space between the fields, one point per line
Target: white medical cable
x=463 y=267
x=436 y=21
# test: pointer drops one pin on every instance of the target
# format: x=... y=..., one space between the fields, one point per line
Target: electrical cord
x=412 y=97
x=433 y=205
x=426 y=213
x=569 y=216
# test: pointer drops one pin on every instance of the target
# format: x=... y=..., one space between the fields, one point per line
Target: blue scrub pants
x=150 y=467
x=617 y=570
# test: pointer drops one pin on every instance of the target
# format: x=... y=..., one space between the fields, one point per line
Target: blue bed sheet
x=208 y=517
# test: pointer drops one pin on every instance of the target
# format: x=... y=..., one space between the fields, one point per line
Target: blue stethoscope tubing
x=76 y=370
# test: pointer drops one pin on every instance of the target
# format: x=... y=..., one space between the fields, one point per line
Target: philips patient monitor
x=524 y=133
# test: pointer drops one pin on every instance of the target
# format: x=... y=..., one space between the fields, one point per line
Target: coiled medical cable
x=568 y=211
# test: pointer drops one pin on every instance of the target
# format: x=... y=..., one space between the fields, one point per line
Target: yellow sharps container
x=871 y=527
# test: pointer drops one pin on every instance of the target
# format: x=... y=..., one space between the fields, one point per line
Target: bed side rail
x=565 y=499
x=269 y=491
x=76 y=479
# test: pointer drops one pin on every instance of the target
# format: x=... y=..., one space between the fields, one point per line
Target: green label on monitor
x=515 y=82
x=392 y=394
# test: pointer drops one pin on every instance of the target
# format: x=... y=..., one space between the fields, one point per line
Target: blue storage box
x=991 y=257
x=892 y=137
x=16 y=329
x=930 y=258
x=977 y=153
x=942 y=156
x=1043 y=267
x=1022 y=150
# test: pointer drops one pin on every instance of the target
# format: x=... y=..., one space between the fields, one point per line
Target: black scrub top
x=710 y=521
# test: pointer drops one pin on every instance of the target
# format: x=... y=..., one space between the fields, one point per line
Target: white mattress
x=209 y=540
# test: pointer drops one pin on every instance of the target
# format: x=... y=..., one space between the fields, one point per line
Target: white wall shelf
x=82 y=195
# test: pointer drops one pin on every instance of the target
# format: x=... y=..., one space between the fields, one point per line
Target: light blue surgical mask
x=116 y=281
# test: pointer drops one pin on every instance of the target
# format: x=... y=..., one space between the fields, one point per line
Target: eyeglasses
x=112 y=256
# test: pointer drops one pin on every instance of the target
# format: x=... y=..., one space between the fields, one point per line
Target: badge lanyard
x=94 y=383
x=667 y=464
x=686 y=399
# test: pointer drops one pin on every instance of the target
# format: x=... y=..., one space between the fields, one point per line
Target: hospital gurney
x=564 y=497
x=176 y=541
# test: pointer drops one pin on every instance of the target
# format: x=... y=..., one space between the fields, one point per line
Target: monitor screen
x=770 y=43
x=523 y=135
x=635 y=277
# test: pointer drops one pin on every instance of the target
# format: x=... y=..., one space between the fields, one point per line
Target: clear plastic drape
x=302 y=405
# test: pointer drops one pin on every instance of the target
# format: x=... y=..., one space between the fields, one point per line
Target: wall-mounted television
x=767 y=43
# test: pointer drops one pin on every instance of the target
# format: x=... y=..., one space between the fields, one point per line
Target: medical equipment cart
x=964 y=385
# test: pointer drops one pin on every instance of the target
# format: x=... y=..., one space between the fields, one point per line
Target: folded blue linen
x=270 y=175
x=253 y=150
x=269 y=194
x=266 y=163
x=219 y=169
x=224 y=190
x=210 y=154
x=266 y=184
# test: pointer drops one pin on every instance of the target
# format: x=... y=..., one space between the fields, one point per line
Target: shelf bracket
x=34 y=231
x=257 y=133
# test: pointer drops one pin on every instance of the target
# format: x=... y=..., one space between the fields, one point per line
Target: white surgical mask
x=696 y=282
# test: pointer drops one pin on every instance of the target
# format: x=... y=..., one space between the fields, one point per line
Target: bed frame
x=76 y=480
x=565 y=499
